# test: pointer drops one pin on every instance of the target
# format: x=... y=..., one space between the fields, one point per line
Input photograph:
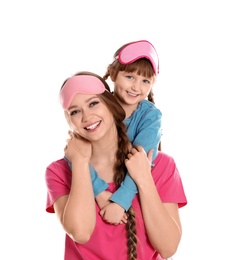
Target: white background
x=44 y=42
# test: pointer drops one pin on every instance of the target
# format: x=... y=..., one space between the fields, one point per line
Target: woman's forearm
x=161 y=220
x=79 y=215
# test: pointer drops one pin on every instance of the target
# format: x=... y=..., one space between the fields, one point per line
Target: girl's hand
x=114 y=214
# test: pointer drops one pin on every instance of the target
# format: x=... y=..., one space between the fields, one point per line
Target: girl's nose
x=136 y=85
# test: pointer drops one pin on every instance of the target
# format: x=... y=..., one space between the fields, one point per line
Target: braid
x=120 y=169
x=121 y=153
x=151 y=97
x=131 y=234
x=107 y=74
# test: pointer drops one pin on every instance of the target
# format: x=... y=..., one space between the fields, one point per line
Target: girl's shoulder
x=148 y=108
x=146 y=105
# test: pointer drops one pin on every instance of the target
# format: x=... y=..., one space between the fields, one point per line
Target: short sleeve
x=58 y=181
x=168 y=180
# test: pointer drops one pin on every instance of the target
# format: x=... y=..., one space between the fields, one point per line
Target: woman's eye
x=74 y=112
x=94 y=103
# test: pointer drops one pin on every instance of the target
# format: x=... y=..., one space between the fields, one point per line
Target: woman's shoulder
x=58 y=163
x=168 y=180
x=164 y=163
x=57 y=167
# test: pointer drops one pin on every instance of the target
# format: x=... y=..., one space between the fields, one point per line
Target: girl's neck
x=129 y=109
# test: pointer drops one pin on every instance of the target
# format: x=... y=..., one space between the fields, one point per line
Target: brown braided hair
x=123 y=149
x=120 y=169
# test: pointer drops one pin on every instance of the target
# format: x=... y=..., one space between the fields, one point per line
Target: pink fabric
x=83 y=84
x=137 y=50
x=109 y=241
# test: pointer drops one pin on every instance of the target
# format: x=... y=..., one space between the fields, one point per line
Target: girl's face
x=131 y=88
x=90 y=118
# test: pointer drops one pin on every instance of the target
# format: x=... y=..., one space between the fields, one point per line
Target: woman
x=98 y=138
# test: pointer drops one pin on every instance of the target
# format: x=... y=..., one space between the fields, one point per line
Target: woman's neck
x=104 y=157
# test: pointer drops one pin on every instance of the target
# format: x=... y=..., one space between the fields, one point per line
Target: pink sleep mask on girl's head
x=83 y=84
x=137 y=50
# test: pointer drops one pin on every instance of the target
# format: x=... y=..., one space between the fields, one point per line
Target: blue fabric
x=99 y=185
x=125 y=194
x=143 y=128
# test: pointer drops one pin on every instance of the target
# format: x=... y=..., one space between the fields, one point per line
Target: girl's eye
x=129 y=77
x=146 y=81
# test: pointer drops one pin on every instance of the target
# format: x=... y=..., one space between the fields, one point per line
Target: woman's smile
x=93 y=126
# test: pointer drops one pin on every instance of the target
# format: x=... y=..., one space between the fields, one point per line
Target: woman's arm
x=76 y=211
x=161 y=220
x=99 y=185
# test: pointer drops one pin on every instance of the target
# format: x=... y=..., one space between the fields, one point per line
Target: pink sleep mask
x=138 y=50
x=83 y=84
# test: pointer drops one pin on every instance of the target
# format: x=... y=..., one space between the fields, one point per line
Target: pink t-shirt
x=108 y=242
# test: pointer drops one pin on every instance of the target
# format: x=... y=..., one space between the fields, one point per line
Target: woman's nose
x=86 y=115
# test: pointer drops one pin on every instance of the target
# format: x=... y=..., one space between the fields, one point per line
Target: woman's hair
x=142 y=66
x=123 y=149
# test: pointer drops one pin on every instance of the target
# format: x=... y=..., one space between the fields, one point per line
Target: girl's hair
x=123 y=149
x=142 y=66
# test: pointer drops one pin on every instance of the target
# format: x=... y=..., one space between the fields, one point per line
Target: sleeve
x=148 y=135
x=148 y=132
x=126 y=192
x=57 y=186
x=168 y=180
x=99 y=185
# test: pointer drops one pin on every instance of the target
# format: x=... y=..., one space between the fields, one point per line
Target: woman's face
x=90 y=117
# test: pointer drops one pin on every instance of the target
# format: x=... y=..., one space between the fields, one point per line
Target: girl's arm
x=146 y=132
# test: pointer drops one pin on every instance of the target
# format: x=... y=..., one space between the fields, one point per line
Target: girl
x=133 y=71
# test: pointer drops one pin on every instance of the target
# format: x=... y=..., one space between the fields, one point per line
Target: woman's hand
x=139 y=163
x=77 y=148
